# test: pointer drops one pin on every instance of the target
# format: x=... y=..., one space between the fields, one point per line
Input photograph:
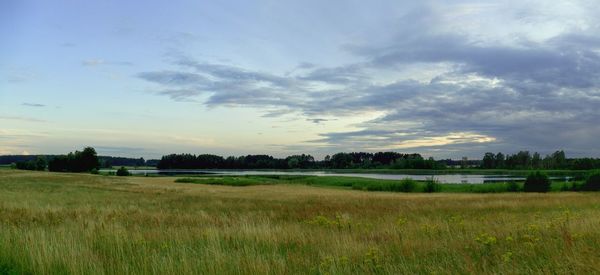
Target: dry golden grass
x=84 y=224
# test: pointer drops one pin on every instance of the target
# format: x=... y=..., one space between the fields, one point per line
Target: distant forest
x=392 y=160
x=105 y=161
x=525 y=160
x=355 y=160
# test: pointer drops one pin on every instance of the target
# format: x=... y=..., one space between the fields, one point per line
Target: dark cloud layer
x=538 y=95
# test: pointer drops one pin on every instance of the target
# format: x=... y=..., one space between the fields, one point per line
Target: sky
x=442 y=78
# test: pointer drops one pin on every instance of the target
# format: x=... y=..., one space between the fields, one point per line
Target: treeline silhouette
x=84 y=161
x=78 y=161
x=525 y=160
x=87 y=160
x=337 y=161
x=34 y=162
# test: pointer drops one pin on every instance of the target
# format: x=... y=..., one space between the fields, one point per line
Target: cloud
x=175 y=78
x=33 y=104
x=436 y=88
x=20 y=118
x=99 y=62
x=68 y=45
x=19 y=75
x=111 y=150
x=318 y=120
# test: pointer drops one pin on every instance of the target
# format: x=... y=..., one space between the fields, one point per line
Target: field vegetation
x=366 y=184
x=63 y=223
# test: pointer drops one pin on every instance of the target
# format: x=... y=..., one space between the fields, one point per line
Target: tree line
x=87 y=160
x=78 y=161
x=392 y=160
x=525 y=160
x=40 y=162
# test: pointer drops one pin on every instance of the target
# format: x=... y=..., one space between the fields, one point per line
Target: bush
x=592 y=183
x=405 y=185
x=432 y=186
x=374 y=187
x=512 y=186
x=537 y=182
x=95 y=171
x=123 y=171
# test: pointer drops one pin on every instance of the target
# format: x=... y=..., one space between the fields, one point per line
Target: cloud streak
x=37 y=105
x=490 y=95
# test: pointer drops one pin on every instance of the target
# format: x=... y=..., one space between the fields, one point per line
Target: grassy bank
x=53 y=223
x=365 y=184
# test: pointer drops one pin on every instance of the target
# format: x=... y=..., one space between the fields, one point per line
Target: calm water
x=454 y=178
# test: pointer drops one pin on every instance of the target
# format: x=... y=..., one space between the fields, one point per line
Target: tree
x=38 y=164
x=559 y=159
x=122 y=172
x=341 y=160
x=523 y=160
x=84 y=161
x=386 y=158
x=592 y=183
x=41 y=163
x=500 y=161
x=537 y=182
x=88 y=159
x=489 y=161
x=536 y=161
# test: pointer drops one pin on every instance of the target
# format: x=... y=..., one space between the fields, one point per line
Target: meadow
x=62 y=223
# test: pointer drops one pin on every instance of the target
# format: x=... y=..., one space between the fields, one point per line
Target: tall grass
x=366 y=184
x=54 y=223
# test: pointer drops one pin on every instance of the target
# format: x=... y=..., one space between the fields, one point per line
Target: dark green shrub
x=432 y=186
x=374 y=187
x=512 y=186
x=38 y=164
x=123 y=171
x=94 y=171
x=407 y=185
x=357 y=186
x=575 y=186
x=393 y=187
x=592 y=183
x=537 y=182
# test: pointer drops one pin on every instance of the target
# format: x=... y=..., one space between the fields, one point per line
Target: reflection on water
x=453 y=178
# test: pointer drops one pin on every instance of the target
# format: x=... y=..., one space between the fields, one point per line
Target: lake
x=453 y=178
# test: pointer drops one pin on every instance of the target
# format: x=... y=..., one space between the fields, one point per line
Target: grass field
x=53 y=223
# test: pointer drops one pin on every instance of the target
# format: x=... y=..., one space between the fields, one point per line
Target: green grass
x=60 y=223
x=356 y=183
x=230 y=181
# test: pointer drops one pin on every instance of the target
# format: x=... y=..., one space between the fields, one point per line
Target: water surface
x=453 y=178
